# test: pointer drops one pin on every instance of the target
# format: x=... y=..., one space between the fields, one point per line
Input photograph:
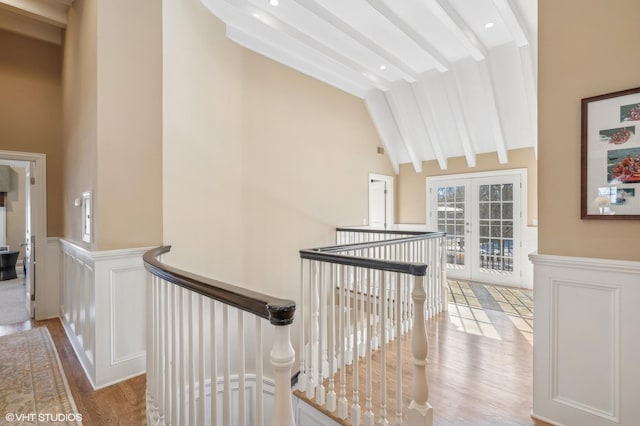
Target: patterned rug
x=33 y=388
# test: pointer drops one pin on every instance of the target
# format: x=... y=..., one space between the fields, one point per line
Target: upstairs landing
x=480 y=359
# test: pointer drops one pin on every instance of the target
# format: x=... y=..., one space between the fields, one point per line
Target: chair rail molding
x=103 y=308
x=585 y=368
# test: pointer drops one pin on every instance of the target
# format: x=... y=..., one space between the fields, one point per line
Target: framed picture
x=610 y=172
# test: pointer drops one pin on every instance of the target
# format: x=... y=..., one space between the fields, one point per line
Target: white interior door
x=482 y=216
x=380 y=200
x=29 y=246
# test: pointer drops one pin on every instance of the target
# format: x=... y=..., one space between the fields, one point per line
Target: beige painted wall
x=80 y=113
x=16 y=210
x=577 y=59
x=30 y=113
x=112 y=116
x=128 y=199
x=259 y=160
x=411 y=187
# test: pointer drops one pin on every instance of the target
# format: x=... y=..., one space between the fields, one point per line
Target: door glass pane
x=451 y=220
x=496 y=228
x=484 y=210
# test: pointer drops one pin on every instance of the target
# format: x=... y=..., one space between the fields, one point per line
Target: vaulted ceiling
x=440 y=78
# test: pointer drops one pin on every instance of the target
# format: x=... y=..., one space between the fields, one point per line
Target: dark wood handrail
x=330 y=254
x=277 y=311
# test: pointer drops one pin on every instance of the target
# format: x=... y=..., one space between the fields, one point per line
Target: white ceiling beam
x=442 y=10
x=374 y=78
x=531 y=93
x=279 y=52
x=492 y=107
x=30 y=27
x=478 y=49
x=424 y=105
x=385 y=125
x=50 y=12
x=406 y=123
x=330 y=18
x=458 y=116
x=402 y=25
x=514 y=21
x=246 y=29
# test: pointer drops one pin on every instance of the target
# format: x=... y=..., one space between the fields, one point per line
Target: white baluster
x=175 y=392
x=398 y=355
x=259 y=409
x=342 y=400
x=226 y=367
x=302 y=376
x=191 y=324
x=240 y=357
x=349 y=284
x=182 y=364
x=202 y=397
x=168 y=361
x=213 y=363
x=282 y=358
x=420 y=411
x=443 y=275
x=314 y=330
x=171 y=413
x=368 y=414
x=355 y=405
x=331 y=395
x=363 y=333
x=383 y=352
x=320 y=391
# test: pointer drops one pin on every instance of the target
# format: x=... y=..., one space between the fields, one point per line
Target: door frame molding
x=390 y=207
x=521 y=172
x=38 y=210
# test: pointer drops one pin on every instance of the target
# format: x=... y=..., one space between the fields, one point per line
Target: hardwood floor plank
x=119 y=404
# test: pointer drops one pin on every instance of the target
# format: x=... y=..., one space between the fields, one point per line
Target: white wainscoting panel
x=309 y=416
x=103 y=310
x=48 y=284
x=586 y=341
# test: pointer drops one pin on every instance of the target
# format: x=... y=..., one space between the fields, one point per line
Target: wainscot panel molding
x=103 y=308
x=586 y=351
x=48 y=284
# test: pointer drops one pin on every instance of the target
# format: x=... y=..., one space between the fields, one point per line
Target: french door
x=482 y=215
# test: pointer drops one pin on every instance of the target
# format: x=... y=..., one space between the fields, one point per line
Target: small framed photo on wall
x=610 y=157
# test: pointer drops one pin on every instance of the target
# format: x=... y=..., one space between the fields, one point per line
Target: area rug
x=13 y=307
x=33 y=388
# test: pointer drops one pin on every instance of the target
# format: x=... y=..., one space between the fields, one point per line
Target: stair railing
x=205 y=351
x=358 y=301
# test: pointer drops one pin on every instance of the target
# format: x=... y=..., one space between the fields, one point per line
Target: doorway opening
x=380 y=200
x=484 y=216
x=26 y=220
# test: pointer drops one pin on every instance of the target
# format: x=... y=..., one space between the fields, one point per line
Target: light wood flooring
x=480 y=361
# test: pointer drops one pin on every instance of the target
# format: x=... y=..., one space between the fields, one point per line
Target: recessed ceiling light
x=383 y=67
x=274 y=2
x=489 y=25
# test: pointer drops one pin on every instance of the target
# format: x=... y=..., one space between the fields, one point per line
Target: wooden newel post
x=420 y=411
x=282 y=358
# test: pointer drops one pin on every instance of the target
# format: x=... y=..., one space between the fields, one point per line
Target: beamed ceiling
x=440 y=78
